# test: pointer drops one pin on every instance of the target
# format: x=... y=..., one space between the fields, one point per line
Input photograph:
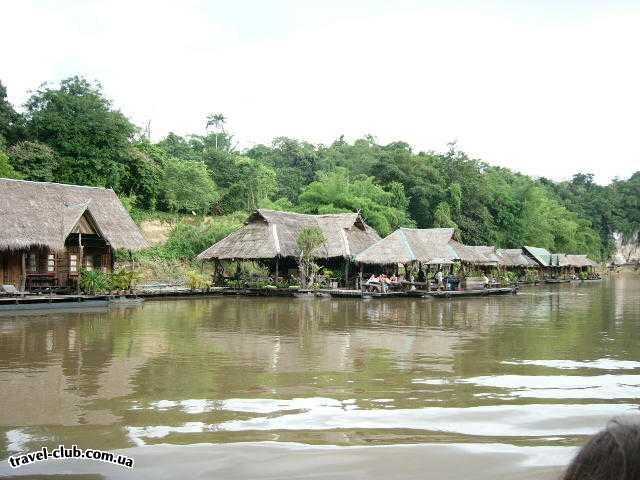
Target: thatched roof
x=580 y=261
x=270 y=234
x=406 y=245
x=43 y=214
x=477 y=254
x=514 y=257
x=559 y=260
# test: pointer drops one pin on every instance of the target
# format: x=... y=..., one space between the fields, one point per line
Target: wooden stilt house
x=49 y=232
x=270 y=237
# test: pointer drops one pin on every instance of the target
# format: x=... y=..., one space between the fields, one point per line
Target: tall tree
x=335 y=192
x=11 y=122
x=35 y=161
x=80 y=124
x=216 y=120
x=6 y=170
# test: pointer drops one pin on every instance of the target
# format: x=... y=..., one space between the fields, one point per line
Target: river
x=501 y=387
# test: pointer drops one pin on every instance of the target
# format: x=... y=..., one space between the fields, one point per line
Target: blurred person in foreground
x=611 y=454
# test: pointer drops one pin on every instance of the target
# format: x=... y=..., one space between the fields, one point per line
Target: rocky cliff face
x=627 y=250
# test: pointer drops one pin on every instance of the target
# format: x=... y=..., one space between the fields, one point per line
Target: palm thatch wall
x=269 y=234
x=41 y=214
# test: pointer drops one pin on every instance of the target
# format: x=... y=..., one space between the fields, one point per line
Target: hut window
x=33 y=262
x=51 y=263
x=88 y=263
x=73 y=263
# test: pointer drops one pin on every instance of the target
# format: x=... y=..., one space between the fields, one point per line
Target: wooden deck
x=65 y=302
x=34 y=302
x=38 y=302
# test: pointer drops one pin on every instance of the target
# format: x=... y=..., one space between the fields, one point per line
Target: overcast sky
x=546 y=87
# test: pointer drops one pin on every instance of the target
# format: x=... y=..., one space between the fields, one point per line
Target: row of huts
x=50 y=232
x=270 y=237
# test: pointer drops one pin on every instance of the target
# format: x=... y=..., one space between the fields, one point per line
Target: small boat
x=481 y=292
x=557 y=280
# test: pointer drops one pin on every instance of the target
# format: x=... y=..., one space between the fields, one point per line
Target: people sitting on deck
x=486 y=281
x=384 y=281
x=374 y=284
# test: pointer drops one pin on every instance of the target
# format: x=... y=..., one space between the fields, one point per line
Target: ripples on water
x=543 y=368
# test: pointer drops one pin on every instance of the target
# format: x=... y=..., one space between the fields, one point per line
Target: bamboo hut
x=50 y=231
x=270 y=236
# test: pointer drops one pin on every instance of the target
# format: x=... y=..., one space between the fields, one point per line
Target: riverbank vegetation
x=71 y=133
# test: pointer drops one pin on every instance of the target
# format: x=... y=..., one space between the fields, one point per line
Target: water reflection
x=547 y=365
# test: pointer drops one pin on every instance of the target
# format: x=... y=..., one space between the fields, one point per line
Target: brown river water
x=221 y=387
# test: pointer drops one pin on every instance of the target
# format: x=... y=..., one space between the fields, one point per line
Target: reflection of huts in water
x=50 y=231
x=270 y=237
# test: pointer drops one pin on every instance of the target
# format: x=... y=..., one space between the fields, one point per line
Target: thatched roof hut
x=406 y=245
x=270 y=234
x=484 y=255
x=42 y=214
x=580 y=261
x=514 y=257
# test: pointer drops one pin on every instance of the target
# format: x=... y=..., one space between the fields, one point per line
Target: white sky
x=546 y=87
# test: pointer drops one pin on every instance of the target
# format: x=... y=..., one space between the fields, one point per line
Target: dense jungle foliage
x=71 y=133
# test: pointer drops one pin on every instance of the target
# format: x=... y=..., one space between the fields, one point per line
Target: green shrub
x=124 y=279
x=186 y=240
x=94 y=281
x=197 y=281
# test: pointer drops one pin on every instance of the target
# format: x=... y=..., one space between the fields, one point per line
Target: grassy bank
x=176 y=241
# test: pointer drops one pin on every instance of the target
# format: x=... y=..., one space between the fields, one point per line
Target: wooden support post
x=215 y=271
x=360 y=277
x=80 y=260
x=277 y=269
x=346 y=274
x=23 y=278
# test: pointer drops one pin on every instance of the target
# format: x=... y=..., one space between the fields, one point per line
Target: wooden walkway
x=33 y=302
